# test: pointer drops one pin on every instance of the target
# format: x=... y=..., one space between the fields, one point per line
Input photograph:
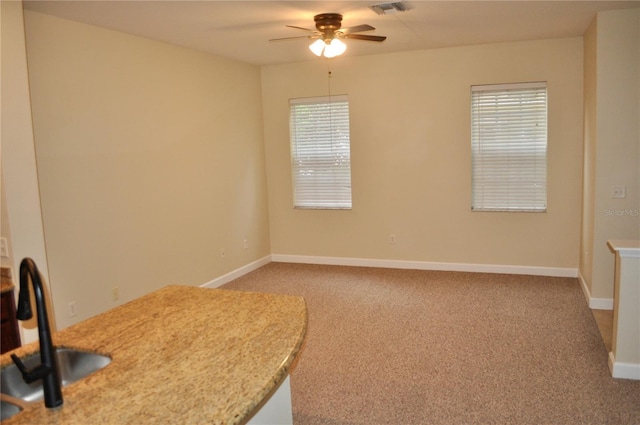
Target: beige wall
x=150 y=162
x=410 y=141
x=589 y=160
x=612 y=145
x=5 y=231
x=22 y=220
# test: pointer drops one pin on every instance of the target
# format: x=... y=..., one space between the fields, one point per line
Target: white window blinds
x=320 y=152
x=509 y=147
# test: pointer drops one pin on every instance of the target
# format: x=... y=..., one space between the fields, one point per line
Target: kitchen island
x=179 y=355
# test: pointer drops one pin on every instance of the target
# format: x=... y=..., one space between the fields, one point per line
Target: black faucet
x=48 y=369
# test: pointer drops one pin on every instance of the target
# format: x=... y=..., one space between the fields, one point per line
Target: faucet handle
x=31 y=375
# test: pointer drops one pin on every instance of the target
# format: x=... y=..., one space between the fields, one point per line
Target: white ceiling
x=241 y=29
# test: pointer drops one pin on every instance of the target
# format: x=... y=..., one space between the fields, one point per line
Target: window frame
x=322 y=147
x=509 y=162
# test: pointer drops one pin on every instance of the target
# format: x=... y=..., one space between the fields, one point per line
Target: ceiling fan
x=329 y=32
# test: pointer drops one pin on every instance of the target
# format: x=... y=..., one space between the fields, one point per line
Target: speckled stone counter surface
x=5 y=279
x=180 y=355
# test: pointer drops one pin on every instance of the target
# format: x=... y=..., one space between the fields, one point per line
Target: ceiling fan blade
x=377 y=38
x=300 y=28
x=359 y=28
x=291 y=38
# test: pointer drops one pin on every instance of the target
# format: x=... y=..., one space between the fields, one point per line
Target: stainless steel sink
x=73 y=364
x=8 y=409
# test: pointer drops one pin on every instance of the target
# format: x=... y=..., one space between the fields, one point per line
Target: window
x=509 y=147
x=320 y=152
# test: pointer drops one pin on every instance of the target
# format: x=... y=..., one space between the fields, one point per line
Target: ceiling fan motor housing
x=328 y=24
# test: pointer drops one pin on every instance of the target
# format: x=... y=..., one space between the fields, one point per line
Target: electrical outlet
x=223 y=253
x=618 y=192
x=392 y=239
x=72 y=309
x=4 y=248
x=245 y=243
x=115 y=293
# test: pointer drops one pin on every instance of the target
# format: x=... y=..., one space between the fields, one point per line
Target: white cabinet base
x=278 y=409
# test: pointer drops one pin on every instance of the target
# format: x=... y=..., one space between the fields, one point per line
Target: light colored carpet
x=391 y=346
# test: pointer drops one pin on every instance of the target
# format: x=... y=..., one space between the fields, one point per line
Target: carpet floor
x=388 y=346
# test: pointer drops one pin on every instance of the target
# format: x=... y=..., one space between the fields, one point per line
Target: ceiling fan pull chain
x=329 y=78
x=330 y=106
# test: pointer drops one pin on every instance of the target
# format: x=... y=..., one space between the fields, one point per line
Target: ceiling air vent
x=389 y=8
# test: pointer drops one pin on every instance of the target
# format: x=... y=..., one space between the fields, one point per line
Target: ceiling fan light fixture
x=317 y=47
x=335 y=48
x=329 y=33
x=328 y=48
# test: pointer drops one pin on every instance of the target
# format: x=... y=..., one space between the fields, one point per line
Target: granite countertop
x=179 y=355
x=5 y=279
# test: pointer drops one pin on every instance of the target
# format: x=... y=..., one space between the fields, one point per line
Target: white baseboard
x=219 y=281
x=623 y=370
x=426 y=265
x=398 y=264
x=601 y=303
x=594 y=303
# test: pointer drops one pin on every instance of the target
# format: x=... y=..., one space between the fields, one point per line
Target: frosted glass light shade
x=317 y=47
x=335 y=48
x=330 y=48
